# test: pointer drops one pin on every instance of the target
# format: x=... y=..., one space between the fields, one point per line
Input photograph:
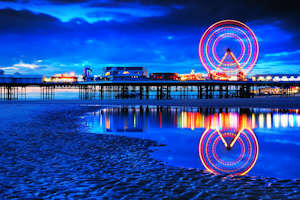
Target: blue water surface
x=180 y=130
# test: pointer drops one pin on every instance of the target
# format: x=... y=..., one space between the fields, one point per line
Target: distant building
x=124 y=73
x=276 y=77
x=164 y=76
x=21 y=79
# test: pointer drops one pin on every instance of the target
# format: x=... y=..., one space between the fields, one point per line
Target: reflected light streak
x=284 y=120
x=233 y=122
x=107 y=123
x=253 y=121
x=291 y=120
x=192 y=121
x=298 y=120
x=160 y=119
x=134 y=120
x=269 y=120
x=276 y=120
x=261 y=120
x=101 y=118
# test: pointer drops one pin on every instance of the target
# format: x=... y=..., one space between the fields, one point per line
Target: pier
x=149 y=89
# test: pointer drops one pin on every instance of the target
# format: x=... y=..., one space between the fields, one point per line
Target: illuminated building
x=124 y=73
x=192 y=76
x=62 y=78
x=164 y=76
x=276 y=77
x=213 y=75
x=87 y=74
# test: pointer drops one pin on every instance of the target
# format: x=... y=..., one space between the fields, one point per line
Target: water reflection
x=228 y=151
x=130 y=119
x=220 y=140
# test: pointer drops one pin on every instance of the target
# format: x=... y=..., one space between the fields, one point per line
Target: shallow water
x=257 y=142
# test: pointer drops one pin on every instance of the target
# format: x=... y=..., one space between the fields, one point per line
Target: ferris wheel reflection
x=228 y=151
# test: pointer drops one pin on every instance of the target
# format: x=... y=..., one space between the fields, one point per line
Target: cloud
x=27 y=66
x=277 y=66
x=283 y=53
x=8 y=0
x=24 y=67
x=68 y=1
x=25 y=21
x=8 y=68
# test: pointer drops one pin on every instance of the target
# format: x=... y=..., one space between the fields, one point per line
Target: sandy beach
x=45 y=154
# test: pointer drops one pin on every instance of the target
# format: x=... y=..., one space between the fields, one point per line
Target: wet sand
x=46 y=154
x=261 y=102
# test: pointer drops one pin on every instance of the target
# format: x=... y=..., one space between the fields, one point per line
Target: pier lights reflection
x=140 y=118
x=225 y=140
x=228 y=151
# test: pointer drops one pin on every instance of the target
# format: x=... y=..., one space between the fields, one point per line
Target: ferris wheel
x=228 y=47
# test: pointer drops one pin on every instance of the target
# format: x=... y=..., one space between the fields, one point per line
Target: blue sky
x=57 y=36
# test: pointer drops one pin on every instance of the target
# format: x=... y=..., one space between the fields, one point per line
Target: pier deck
x=163 y=89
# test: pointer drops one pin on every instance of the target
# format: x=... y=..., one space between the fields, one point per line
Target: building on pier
x=87 y=74
x=124 y=73
x=192 y=76
x=62 y=78
x=275 y=77
x=164 y=76
x=20 y=79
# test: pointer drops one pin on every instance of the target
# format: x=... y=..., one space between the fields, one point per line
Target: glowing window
x=284 y=78
x=276 y=78
x=269 y=78
x=261 y=78
x=292 y=78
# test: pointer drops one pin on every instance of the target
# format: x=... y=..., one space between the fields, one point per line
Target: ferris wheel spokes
x=233 y=35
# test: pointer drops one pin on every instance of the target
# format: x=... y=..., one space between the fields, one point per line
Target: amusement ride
x=228 y=50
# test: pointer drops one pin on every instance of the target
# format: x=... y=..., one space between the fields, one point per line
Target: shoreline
x=53 y=157
x=261 y=102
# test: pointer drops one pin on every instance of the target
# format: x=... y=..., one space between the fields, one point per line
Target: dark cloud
x=200 y=12
x=25 y=21
x=67 y=1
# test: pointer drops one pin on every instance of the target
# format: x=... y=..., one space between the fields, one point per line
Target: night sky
x=57 y=36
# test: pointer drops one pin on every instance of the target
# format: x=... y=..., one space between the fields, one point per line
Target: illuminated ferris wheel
x=228 y=47
x=228 y=151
